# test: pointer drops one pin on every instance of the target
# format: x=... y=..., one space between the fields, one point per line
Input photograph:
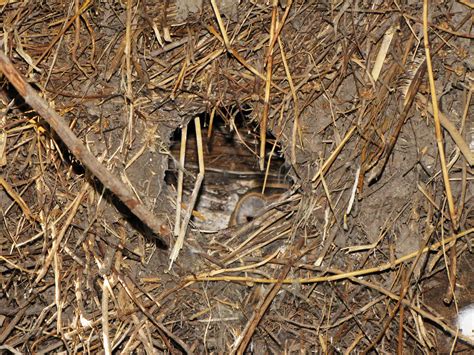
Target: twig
x=156 y=224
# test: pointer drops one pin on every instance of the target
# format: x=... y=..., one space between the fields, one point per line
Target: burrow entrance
x=230 y=147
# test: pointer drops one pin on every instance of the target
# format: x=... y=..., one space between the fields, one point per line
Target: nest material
x=369 y=250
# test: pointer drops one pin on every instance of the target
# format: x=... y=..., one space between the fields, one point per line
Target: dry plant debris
x=369 y=250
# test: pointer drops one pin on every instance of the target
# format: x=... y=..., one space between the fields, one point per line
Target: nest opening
x=231 y=166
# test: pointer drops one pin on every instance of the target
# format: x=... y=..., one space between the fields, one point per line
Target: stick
x=75 y=145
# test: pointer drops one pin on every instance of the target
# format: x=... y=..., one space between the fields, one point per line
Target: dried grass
x=379 y=216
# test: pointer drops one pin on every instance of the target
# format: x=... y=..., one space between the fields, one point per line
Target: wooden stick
x=75 y=145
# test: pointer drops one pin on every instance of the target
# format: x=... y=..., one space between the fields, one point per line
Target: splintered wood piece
x=197 y=186
x=179 y=198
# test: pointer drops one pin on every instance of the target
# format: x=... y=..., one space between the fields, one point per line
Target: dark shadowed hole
x=231 y=161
